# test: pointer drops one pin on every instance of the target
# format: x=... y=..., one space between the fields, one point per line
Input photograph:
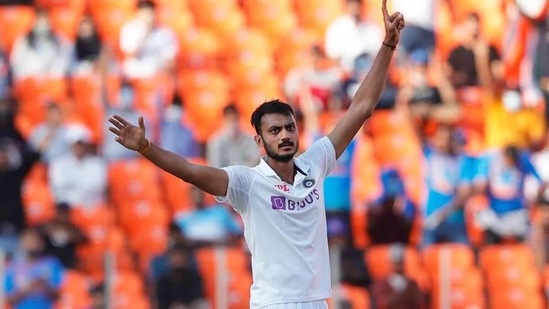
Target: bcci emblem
x=308 y=183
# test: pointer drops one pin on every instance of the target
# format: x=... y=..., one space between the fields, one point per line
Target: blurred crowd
x=457 y=151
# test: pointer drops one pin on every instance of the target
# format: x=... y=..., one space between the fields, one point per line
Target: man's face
x=54 y=116
x=442 y=139
x=79 y=149
x=279 y=136
x=147 y=16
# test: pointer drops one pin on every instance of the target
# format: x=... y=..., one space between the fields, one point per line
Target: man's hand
x=128 y=135
x=393 y=25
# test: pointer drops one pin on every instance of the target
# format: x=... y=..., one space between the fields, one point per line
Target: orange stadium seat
x=316 y=15
x=38 y=202
x=174 y=14
x=247 y=40
x=297 y=47
x=511 y=276
x=78 y=5
x=199 y=49
x=93 y=220
x=176 y=193
x=247 y=100
x=65 y=21
x=138 y=215
x=222 y=17
x=516 y=298
x=129 y=291
x=203 y=91
x=496 y=256
x=473 y=206
x=455 y=256
x=133 y=180
x=239 y=277
x=74 y=291
x=467 y=293
x=357 y=297
x=88 y=107
x=275 y=18
x=109 y=19
x=15 y=21
x=378 y=261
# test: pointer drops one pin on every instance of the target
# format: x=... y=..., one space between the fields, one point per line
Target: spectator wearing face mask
x=88 y=48
x=40 y=53
x=33 y=278
x=397 y=291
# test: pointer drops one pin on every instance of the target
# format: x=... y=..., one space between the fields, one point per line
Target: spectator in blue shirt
x=208 y=225
x=33 y=279
x=501 y=176
x=449 y=177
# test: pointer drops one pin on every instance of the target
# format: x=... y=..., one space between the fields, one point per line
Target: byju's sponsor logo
x=283 y=203
x=278 y=202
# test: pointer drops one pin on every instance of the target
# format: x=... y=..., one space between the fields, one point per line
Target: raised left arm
x=369 y=92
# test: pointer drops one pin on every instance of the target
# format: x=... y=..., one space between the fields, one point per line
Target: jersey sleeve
x=322 y=153
x=238 y=189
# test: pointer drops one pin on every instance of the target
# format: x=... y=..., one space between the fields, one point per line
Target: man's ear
x=258 y=140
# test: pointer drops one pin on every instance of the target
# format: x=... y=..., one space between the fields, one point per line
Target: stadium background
x=241 y=51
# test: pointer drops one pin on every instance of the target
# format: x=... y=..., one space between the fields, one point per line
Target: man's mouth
x=286 y=145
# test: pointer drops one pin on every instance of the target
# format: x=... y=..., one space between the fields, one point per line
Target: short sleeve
x=238 y=189
x=528 y=168
x=322 y=153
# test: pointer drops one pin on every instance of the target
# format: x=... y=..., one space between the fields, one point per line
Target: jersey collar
x=302 y=169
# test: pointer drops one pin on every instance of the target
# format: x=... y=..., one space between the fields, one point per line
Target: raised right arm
x=209 y=179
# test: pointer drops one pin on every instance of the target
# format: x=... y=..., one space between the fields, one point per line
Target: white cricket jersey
x=285 y=227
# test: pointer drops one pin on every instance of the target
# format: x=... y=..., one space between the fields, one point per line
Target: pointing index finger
x=384 y=8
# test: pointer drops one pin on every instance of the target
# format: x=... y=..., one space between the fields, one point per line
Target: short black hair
x=270 y=107
x=230 y=110
x=145 y=4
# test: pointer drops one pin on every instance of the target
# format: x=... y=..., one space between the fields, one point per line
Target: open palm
x=128 y=135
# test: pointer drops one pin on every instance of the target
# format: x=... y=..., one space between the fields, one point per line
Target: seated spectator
x=33 y=279
x=52 y=134
x=208 y=225
x=40 y=53
x=147 y=47
x=88 y=48
x=231 y=145
x=176 y=136
x=449 y=176
x=16 y=161
x=63 y=236
x=397 y=291
x=318 y=77
x=501 y=176
x=391 y=217
x=473 y=52
x=159 y=264
x=351 y=35
x=181 y=286
x=79 y=178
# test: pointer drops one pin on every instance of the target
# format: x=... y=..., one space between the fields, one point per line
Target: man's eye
x=290 y=128
x=275 y=131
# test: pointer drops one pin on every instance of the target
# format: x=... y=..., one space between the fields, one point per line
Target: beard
x=271 y=153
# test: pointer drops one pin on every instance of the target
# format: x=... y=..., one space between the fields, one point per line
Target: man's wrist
x=143 y=146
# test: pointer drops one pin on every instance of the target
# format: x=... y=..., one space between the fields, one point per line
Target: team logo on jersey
x=279 y=202
x=308 y=183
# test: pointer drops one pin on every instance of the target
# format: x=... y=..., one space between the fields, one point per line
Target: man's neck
x=285 y=170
